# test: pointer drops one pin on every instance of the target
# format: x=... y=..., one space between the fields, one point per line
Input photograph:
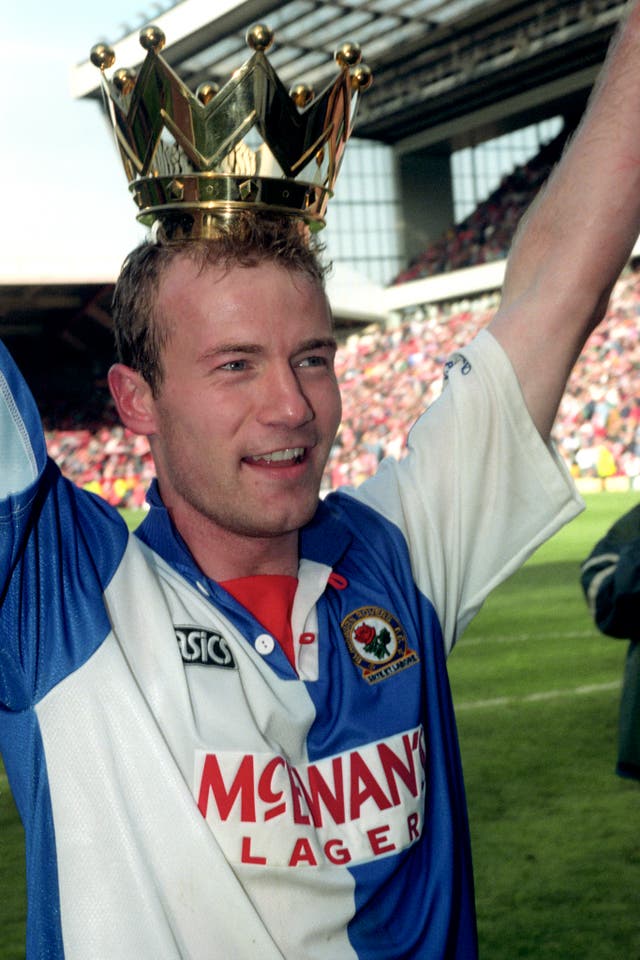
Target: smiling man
x=231 y=734
x=246 y=406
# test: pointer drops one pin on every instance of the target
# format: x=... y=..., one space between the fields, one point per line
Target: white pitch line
x=524 y=637
x=537 y=697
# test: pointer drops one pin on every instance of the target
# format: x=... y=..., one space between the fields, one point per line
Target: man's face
x=249 y=404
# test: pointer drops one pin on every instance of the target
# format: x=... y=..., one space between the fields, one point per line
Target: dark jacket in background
x=610 y=578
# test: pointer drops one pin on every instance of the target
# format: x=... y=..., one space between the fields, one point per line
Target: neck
x=224 y=555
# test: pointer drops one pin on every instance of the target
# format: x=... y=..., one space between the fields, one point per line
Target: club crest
x=377 y=643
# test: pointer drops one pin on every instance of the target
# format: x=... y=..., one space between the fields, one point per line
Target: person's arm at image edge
x=577 y=236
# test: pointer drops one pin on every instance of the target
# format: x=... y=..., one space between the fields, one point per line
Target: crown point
x=152 y=38
x=102 y=56
x=361 y=77
x=348 y=55
x=124 y=80
x=206 y=92
x=260 y=37
x=301 y=94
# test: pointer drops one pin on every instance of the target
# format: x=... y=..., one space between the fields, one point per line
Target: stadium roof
x=444 y=70
x=435 y=62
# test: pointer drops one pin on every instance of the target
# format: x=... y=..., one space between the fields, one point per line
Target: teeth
x=291 y=453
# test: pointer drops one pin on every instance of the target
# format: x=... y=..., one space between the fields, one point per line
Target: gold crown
x=186 y=157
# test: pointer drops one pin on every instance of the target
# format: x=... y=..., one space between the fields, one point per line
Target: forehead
x=212 y=293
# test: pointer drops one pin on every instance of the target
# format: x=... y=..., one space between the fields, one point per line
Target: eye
x=314 y=361
x=234 y=365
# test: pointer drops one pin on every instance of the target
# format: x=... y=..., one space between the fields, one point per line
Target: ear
x=133 y=398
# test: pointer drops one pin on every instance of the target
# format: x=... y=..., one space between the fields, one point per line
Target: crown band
x=210 y=192
x=187 y=157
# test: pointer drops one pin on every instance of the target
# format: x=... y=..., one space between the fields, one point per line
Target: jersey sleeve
x=478 y=491
x=59 y=546
x=610 y=578
x=21 y=438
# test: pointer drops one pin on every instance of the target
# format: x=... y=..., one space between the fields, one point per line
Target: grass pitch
x=555 y=831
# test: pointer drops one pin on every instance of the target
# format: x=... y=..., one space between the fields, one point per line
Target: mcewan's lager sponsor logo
x=377 y=643
x=349 y=808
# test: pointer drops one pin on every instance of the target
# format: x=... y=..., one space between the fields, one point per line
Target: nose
x=284 y=402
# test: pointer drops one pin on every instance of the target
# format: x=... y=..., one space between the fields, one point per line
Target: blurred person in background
x=610 y=578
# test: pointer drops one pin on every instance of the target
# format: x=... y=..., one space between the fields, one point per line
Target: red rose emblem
x=365 y=634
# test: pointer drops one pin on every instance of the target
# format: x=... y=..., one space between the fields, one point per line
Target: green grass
x=132 y=517
x=12 y=882
x=555 y=832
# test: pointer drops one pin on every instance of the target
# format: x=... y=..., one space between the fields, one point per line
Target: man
x=232 y=735
x=610 y=578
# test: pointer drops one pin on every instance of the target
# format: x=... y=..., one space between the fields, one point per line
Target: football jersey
x=186 y=792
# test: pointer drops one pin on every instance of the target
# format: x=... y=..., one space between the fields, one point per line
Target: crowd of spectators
x=598 y=424
x=388 y=376
x=108 y=460
x=486 y=234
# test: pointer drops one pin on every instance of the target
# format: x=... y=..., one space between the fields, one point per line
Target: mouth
x=286 y=457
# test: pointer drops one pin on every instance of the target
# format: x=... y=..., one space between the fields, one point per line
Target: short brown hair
x=245 y=240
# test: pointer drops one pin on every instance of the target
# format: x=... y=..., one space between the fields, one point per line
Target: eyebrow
x=315 y=343
x=230 y=348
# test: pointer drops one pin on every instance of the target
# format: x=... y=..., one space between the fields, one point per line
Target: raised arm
x=577 y=236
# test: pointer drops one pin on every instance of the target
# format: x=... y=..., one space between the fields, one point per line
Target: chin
x=293 y=521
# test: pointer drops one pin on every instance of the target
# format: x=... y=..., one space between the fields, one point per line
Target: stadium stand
x=389 y=375
x=108 y=460
x=487 y=233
